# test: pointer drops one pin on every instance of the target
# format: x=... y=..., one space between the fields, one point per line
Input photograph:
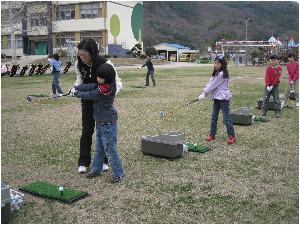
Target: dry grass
x=254 y=180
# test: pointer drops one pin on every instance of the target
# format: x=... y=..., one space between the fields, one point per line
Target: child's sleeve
x=90 y=95
x=213 y=84
x=296 y=75
x=50 y=61
x=86 y=87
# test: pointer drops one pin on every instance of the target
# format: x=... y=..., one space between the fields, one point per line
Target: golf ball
x=61 y=189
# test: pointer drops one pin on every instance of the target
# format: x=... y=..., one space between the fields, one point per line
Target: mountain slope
x=196 y=23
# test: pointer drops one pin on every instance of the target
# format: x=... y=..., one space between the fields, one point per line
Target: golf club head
x=161 y=113
x=29 y=99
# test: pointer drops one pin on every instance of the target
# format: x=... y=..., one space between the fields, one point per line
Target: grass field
x=255 y=180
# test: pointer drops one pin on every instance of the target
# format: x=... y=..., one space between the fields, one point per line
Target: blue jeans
x=106 y=142
x=224 y=106
x=277 y=104
x=55 y=83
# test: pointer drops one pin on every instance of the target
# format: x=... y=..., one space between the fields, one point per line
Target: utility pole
x=247 y=25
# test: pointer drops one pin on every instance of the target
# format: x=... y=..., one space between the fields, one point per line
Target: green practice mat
x=197 y=148
x=137 y=87
x=50 y=191
x=261 y=119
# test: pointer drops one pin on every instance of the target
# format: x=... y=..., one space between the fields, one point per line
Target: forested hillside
x=196 y=24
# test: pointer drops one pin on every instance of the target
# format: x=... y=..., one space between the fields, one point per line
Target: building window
x=65 y=12
x=61 y=39
x=38 y=19
x=96 y=35
x=91 y=10
x=18 y=40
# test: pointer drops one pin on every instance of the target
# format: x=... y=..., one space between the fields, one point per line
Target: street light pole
x=247 y=25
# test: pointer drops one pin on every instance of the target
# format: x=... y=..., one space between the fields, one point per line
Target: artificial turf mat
x=137 y=87
x=50 y=191
x=197 y=148
x=261 y=119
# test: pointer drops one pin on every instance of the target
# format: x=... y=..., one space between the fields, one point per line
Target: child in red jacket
x=273 y=73
x=293 y=79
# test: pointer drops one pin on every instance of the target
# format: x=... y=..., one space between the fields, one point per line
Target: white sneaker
x=82 y=169
x=105 y=168
x=297 y=103
x=51 y=93
x=60 y=95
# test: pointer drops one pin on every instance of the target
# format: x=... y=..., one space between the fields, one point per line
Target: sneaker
x=297 y=103
x=231 y=140
x=52 y=94
x=105 y=168
x=117 y=179
x=60 y=94
x=92 y=175
x=210 y=137
x=154 y=85
x=82 y=169
x=277 y=115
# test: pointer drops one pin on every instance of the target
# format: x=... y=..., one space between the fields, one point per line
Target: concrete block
x=271 y=104
x=165 y=145
x=242 y=116
x=5 y=204
x=292 y=95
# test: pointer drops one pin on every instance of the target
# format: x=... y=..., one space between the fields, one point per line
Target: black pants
x=152 y=77
x=88 y=127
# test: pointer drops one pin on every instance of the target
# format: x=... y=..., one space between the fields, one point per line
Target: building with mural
x=46 y=27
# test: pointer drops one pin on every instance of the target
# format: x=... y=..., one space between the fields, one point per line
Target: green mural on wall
x=115 y=26
x=137 y=22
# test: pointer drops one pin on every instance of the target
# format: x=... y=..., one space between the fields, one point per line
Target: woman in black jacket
x=87 y=62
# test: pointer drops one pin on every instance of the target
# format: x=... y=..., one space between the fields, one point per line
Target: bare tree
x=119 y=47
x=16 y=19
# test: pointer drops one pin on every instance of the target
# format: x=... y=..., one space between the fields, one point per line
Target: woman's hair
x=107 y=72
x=91 y=47
x=222 y=60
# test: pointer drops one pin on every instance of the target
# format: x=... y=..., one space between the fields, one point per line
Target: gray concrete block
x=242 y=116
x=165 y=145
x=271 y=104
x=292 y=95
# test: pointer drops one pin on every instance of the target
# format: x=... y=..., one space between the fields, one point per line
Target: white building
x=170 y=49
x=43 y=27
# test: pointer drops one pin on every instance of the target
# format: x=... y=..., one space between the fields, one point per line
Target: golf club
x=30 y=99
x=162 y=114
x=260 y=118
x=287 y=104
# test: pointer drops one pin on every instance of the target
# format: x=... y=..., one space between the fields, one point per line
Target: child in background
x=293 y=78
x=106 y=117
x=273 y=73
x=56 y=73
x=150 y=70
x=220 y=95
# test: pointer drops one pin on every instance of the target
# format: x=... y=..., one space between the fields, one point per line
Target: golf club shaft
x=30 y=99
x=287 y=104
x=181 y=107
x=263 y=103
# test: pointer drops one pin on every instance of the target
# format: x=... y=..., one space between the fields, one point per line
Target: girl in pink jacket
x=220 y=95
